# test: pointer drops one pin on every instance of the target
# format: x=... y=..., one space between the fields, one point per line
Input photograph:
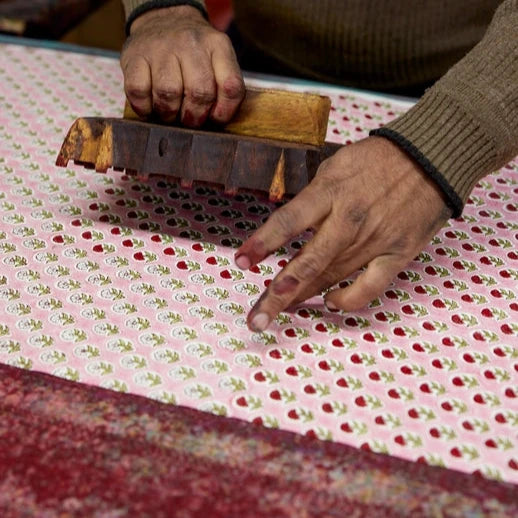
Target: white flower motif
x=44 y=258
x=23 y=231
x=114 y=384
x=24 y=275
x=86 y=352
x=67 y=372
x=53 y=357
x=53 y=270
x=240 y=322
x=119 y=345
x=126 y=274
x=164 y=396
x=26 y=324
x=38 y=341
x=198 y=349
x=96 y=278
x=99 y=368
x=61 y=319
x=85 y=266
x=151 y=339
x=133 y=361
x=197 y=391
x=89 y=313
x=147 y=379
x=39 y=214
x=165 y=355
x=17 y=309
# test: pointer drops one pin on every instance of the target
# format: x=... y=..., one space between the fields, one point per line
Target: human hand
x=370 y=204
x=174 y=63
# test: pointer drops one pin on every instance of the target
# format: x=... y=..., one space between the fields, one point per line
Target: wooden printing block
x=231 y=157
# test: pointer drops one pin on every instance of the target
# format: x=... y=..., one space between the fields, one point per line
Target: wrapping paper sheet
x=130 y=285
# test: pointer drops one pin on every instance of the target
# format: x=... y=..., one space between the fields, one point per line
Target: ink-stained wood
x=232 y=161
x=276 y=114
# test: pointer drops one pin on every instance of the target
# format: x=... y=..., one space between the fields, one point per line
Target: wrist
x=156 y=9
x=448 y=194
x=398 y=158
x=180 y=11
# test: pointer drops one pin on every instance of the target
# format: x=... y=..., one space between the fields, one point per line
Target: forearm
x=466 y=125
x=134 y=8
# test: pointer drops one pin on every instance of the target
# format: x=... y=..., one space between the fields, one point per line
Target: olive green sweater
x=464 y=127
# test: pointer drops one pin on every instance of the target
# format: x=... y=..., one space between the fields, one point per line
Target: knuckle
x=401 y=244
x=167 y=93
x=277 y=302
x=134 y=90
x=356 y=215
x=328 y=278
x=326 y=185
x=234 y=87
x=201 y=95
x=189 y=38
x=219 y=39
x=308 y=267
x=285 y=219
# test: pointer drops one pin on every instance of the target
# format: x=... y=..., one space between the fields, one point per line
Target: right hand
x=176 y=64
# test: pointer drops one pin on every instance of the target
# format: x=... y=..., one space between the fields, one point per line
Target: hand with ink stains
x=369 y=205
x=176 y=64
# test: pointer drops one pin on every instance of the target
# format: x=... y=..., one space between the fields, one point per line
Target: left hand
x=176 y=64
x=371 y=204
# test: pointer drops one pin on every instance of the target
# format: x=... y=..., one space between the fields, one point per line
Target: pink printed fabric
x=130 y=284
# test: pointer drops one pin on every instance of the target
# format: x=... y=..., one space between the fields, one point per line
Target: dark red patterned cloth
x=73 y=450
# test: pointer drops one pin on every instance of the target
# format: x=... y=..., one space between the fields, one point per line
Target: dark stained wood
x=232 y=161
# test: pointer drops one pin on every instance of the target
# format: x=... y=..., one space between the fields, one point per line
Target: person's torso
x=367 y=43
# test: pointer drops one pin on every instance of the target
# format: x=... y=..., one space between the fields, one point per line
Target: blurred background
x=89 y=23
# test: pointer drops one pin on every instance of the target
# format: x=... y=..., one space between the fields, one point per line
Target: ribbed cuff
x=136 y=7
x=452 y=199
x=446 y=142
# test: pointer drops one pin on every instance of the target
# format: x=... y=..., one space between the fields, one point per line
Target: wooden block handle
x=276 y=114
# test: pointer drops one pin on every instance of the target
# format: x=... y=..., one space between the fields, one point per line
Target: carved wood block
x=232 y=161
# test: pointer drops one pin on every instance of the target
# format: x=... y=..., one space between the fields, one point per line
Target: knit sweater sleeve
x=134 y=8
x=466 y=125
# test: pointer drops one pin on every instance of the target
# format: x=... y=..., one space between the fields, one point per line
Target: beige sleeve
x=466 y=125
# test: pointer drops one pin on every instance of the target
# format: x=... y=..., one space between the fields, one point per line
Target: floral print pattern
x=128 y=283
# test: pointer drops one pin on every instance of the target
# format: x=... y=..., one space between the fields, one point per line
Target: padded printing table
x=124 y=291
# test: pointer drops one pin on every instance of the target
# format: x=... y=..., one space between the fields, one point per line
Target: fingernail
x=243 y=262
x=260 y=322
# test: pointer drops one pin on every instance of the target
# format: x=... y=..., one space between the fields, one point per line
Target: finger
x=350 y=263
x=284 y=223
x=199 y=89
x=310 y=264
x=229 y=81
x=137 y=86
x=369 y=284
x=167 y=88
